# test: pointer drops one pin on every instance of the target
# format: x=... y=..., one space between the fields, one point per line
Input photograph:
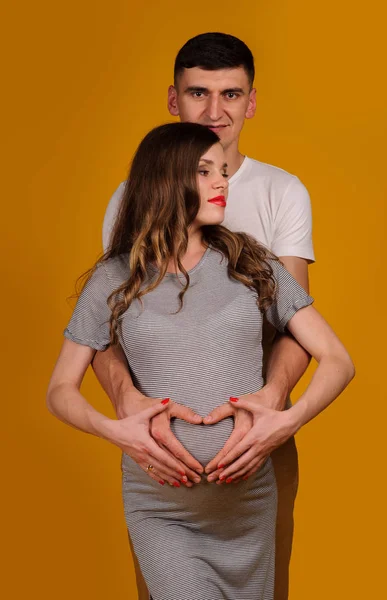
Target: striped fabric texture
x=208 y=542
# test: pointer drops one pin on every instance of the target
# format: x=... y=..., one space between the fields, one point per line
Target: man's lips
x=216 y=126
x=218 y=200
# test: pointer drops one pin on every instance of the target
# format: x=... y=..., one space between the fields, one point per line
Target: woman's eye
x=225 y=175
x=203 y=172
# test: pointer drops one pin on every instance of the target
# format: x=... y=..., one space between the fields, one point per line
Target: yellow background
x=82 y=83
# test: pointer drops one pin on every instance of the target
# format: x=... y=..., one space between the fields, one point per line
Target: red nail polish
x=165 y=401
x=181 y=473
x=221 y=477
x=233 y=399
x=220 y=466
x=176 y=484
x=161 y=482
x=245 y=477
x=229 y=480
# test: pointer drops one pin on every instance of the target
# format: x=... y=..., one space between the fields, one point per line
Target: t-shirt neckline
x=195 y=268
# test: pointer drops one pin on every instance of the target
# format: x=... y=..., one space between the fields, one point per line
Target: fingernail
x=211 y=478
x=208 y=419
x=184 y=479
x=221 y=477
x=181 y=472
x=176 y=484
x=229 y=480
x=220 y=466
x=165 y=401
x=233 y=399
x=161 y=482
x=197 y=479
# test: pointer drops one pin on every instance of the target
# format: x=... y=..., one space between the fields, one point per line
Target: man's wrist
x=125 y=400
x=277 y=391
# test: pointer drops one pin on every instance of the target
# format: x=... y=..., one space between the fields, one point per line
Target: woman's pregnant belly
x=203 y=441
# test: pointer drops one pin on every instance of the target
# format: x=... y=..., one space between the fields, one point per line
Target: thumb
x=219 y=413
x=243 y=402
x=154 y=410
x=186 y=414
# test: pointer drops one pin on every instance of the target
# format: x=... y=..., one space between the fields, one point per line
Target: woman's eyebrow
x=211 y=162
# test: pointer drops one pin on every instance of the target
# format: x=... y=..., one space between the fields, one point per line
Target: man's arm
x=287 y=361
x=112 y=371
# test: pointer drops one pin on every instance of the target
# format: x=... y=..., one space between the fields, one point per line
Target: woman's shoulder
x=115 y=270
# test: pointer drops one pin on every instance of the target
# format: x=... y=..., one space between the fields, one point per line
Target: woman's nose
x=221 y=183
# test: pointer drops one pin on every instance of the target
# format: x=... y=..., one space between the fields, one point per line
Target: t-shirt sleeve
x=293 y=223
x=290 y=297
x=111 y=215
x=89 y=324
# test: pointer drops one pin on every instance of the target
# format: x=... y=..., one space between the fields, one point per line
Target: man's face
x=220 y=99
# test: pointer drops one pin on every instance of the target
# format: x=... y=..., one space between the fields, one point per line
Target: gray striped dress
x=208 y=542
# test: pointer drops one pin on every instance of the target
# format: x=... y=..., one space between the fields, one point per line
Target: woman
x=186 y=299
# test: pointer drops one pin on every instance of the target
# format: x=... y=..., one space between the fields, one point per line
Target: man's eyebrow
x=233 y=90
x=195 y=88
x=211 y=162
x=199 y=88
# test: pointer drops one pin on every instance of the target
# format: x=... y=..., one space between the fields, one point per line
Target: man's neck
x=234 y=159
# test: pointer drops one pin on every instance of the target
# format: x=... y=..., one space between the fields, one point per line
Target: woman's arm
x=272 y=428
x=131 y=434
x=335 y=367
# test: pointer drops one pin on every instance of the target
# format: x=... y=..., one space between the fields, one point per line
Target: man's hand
x=159 y=431
x=256 y=412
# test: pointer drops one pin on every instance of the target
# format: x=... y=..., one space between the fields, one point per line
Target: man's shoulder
x=271 y=174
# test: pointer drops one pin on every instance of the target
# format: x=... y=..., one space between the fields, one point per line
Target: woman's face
x=212 y=186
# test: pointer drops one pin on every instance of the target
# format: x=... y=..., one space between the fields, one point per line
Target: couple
x=184 y=301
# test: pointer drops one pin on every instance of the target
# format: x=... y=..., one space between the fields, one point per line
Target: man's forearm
x=112 y=371
x=287 y=363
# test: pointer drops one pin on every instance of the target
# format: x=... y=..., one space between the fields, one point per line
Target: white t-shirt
x=264 y=201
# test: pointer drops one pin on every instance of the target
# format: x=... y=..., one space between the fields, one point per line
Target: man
x=213 y=85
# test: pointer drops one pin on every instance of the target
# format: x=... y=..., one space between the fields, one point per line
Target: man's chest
x=249 y=210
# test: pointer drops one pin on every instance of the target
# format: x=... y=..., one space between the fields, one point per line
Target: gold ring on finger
x=149 y=468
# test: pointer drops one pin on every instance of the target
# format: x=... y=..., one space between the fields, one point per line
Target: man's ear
x=252 y=106
x=172 y=101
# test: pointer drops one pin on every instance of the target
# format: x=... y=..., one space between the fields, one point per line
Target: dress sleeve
x=89 y=324
x=111 y=215
x=293 y=223
x=289 y=298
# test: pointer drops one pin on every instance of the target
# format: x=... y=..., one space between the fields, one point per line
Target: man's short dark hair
x=213 y=51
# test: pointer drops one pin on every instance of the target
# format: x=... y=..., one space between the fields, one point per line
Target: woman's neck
x=195 y=250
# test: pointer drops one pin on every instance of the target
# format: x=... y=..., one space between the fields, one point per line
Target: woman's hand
x=263 y=430
x=144 y=434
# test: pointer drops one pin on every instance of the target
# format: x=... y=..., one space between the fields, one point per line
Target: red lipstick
x=218 y=200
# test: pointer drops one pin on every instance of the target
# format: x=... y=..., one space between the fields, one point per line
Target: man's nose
x=214 y=108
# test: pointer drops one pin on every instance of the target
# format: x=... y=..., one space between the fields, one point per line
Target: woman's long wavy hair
x=160 y=202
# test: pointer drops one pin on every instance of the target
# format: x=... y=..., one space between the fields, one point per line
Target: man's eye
x=231 y=95
x=197 y=94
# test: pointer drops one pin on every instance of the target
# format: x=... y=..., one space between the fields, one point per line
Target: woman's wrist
x=296 y=416
x=106 y=429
